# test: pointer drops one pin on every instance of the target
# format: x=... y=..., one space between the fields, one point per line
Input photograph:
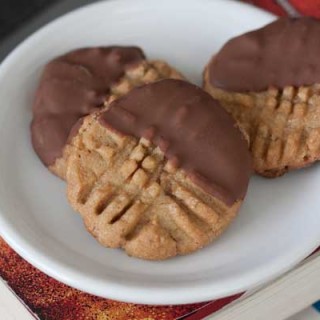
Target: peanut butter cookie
x=162 y=172
x=269 y=80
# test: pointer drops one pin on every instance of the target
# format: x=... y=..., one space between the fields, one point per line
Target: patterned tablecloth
x=52 y=300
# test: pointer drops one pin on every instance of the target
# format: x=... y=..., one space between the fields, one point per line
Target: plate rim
x=119 y=291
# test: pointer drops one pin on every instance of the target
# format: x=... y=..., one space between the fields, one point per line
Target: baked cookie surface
x=268 y=80
x=136 y=171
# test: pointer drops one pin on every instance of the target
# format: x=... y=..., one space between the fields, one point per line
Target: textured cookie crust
x=129 y=196
x=143 y=73
x=283 y=125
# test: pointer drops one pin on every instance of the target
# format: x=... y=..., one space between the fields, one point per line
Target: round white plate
x=278 y=225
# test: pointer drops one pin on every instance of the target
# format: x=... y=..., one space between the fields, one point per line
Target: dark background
x=20 y=18
x=15 y=12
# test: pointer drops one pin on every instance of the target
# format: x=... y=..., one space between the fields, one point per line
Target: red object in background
x=270 y=5
x=307 y=7
x=280 y=7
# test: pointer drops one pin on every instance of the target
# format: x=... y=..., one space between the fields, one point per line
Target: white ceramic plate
x=278 y=225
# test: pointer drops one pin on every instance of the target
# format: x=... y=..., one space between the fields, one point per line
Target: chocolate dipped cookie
x=269 y=80
x=78 y=83
x=161 y=172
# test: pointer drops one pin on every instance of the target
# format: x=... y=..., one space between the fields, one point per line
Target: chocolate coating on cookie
x=194 y=132
x=283 y=53
x=72 y=86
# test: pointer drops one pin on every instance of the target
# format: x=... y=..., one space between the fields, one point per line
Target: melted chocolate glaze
x=72 y=86
x=280 y=54
x=192 y=130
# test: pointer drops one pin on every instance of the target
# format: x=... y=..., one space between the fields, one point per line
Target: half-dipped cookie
x=161 y=172
x=79 y=82
x=269 y=80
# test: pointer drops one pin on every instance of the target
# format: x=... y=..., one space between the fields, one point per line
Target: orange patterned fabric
x=52 y=300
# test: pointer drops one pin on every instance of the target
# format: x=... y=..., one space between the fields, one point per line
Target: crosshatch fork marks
x=138 y=200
